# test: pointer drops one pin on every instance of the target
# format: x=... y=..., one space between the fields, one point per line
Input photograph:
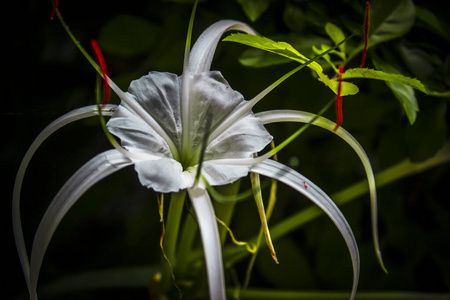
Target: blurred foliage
x=116 y=224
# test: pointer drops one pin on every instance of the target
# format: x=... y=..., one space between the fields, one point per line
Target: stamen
x=250 y=248
x=366 y=34
x=101 y=61
x=54 y=9
x=339 y=99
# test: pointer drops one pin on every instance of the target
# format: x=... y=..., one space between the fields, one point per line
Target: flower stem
x=171 y=236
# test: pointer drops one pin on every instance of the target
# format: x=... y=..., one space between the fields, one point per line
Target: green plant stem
x=173 y=221
x=189 y=231
x=281 y=295
x=75 y=41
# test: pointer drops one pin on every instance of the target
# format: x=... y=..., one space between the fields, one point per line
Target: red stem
x=55 y=7
x=366 y=34
x=102 y=63
x=339 y=99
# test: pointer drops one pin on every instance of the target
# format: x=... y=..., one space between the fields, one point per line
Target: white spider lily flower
x=166 y=124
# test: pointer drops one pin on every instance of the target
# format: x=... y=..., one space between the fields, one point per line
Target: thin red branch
x=339 y=99
x=366 y=34
x=55 y=7
x=102 y=63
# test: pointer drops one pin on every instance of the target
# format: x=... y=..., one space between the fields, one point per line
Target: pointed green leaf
x=390 y=75
x=401 y=86
x=327 y=57
x=286 y=50
x=336 y=34
x=430 y=19
x=390 y=19
x=254 y=8
x=255 y=58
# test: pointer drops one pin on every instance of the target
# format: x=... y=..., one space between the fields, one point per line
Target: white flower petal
x=240 y=140
x=217 y=174
x=92 y=172
x=303 y=185
x=136 y=134
x=209 y=233
x=159 y=94
x=163 y=175
x=211 y=97
x=70 y=117
x=203 y=50
x=130 y=102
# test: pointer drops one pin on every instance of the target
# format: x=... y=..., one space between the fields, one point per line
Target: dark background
x=116 y=223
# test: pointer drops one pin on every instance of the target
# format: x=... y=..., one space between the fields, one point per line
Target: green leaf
x=336 y=34
x=127 y=36
x=286 y=50
x=327 y=57
x=400 y=85
x=294 y=17
x=430 y=19
x=385 y=73
x=254 y=8
x=259 y=59
x=418 y=61
x=390 y=20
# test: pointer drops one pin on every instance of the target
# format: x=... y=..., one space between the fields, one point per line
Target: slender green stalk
x=189 y=232
x=281 y=295
x=75 y=41
x=173 y=222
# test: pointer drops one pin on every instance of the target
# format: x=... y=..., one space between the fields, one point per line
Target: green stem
x=186 y=243
x=75 y=41
x=171 y=236
x=280 y=295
